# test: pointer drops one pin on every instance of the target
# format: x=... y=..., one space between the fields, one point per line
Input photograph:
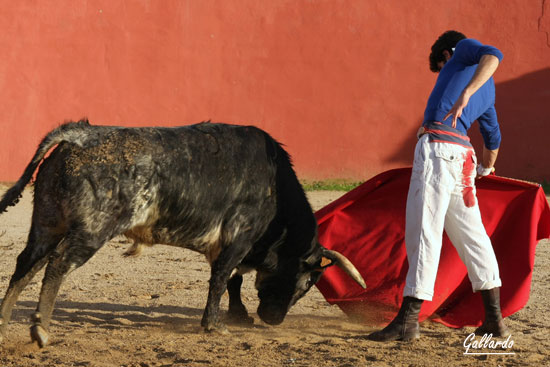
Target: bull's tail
x=73 y=132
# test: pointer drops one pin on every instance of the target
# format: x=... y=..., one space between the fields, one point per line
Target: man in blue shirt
x=442 y=191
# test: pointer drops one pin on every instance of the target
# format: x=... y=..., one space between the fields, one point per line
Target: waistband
x=439 y=132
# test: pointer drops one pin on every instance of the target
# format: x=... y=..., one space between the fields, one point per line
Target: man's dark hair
x=447 y=41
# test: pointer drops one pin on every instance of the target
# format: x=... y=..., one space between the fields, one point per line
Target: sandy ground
x=146 y=311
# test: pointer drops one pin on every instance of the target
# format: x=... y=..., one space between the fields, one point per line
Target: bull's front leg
x=237 y=313
x=229 y=258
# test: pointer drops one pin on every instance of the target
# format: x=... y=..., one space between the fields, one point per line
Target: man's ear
x=447 y=55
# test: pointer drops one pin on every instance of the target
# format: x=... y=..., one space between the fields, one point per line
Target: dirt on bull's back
x=146 y=311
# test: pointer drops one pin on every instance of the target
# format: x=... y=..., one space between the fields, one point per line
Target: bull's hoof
x=238 y=318
x=39 y=335
x=218 y=328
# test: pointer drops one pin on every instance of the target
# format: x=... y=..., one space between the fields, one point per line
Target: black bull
x=228 y=192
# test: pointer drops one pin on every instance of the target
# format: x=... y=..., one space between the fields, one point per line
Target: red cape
x=367 y=225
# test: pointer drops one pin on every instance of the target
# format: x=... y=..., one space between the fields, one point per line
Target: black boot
x=405 y=325
x=493 y=323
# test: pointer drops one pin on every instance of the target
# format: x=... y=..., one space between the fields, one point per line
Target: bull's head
x=279 y=290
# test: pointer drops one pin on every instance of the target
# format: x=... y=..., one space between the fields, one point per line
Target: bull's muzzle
x=271 y=314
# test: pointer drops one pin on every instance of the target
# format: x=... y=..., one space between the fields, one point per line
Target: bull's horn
x=343 y=263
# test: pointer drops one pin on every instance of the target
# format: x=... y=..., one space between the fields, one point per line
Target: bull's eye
x=313 y=278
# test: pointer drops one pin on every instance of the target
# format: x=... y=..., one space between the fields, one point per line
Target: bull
x=226 y=191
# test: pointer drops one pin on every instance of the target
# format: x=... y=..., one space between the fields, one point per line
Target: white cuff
x=482 y=171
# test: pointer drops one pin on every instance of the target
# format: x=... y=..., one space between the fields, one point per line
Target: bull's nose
x=271 y=315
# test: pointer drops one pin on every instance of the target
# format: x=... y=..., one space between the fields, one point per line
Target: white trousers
x=442 y=196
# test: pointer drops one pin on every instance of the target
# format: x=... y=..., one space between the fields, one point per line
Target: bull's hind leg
x=237 y=313
x=29 y=262
x=71 y=253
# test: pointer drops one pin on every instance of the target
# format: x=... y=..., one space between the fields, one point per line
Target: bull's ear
x=326 y=262
x=319 y=263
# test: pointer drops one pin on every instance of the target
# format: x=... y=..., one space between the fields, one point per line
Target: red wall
x=342 y=84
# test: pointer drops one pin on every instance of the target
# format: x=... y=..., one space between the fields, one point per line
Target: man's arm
x=485 y=69
x=490 y=131
x=488 y=162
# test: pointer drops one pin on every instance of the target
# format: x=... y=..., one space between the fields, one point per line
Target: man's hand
x=482 y=171
x=456 y=110
x=420 y=132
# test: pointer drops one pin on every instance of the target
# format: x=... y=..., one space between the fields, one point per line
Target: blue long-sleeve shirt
x=452 y=79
